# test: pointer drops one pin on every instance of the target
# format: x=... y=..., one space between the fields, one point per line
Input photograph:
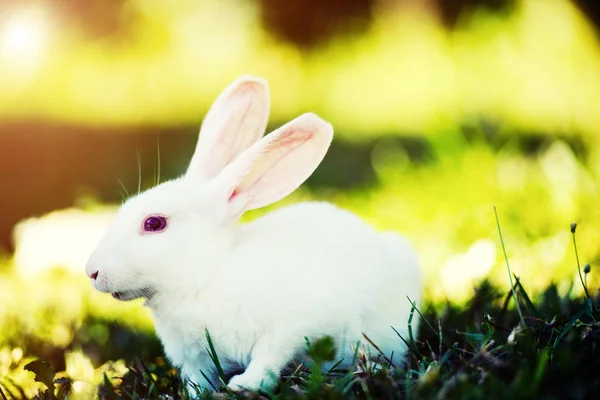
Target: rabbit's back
x=322 y=270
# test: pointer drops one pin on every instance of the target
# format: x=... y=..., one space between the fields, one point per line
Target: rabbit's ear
x=276 y=165
x=236 y=120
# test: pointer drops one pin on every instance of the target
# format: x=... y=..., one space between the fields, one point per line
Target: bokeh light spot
x=24 y=37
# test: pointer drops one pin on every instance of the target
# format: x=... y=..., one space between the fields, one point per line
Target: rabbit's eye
x=155 y=223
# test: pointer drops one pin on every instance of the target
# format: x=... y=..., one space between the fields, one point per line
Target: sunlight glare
x=23 y=37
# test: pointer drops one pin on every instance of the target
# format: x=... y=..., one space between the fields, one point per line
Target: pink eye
x=155 y=223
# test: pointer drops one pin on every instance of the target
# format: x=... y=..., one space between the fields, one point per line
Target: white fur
x=310 y=269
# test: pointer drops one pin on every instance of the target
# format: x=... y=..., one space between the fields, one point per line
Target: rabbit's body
x=269 y=287
x=306 y=270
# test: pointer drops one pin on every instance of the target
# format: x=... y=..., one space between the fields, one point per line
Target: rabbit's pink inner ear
x=235 y=121
x=279 y=163
x=233 y=195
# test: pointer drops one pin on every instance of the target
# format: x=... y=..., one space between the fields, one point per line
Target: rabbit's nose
x=91 y=268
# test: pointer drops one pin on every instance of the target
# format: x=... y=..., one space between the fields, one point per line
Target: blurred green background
x=442 y=109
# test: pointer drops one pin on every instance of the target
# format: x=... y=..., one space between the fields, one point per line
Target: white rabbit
x=306 y=270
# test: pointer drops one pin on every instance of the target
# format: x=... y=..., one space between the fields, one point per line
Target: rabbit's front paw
x=252 y=380
x=265 y=367
x=245 y=381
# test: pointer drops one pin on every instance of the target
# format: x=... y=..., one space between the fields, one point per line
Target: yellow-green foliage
x=535 y=68
x=51 y=308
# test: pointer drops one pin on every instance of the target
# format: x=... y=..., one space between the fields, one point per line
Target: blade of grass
x=408 y=345
x=347 y=382
x=334 y=366
x=530 y=306
x=307 y=342
x=540 y=368
x=365 y=389
x=445 y=357
x=150 y=390
x=422 y=316
x=378 y=348
x=214 y=356
x=146 y=371
x=435 y=331
x=208 y=380
x=135 y=385
x=391 y=364
x=413 y=306
x=514 y=293
x=568 y=327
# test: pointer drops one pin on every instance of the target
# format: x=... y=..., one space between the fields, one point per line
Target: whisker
x=125 y=193
x=150 y=292
x=158 y=158
x=139 y=164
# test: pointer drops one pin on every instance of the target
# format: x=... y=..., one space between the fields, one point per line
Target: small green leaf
x=323 y=350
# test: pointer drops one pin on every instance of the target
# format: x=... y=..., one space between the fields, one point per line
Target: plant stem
x=512 y=287
x=587 y=294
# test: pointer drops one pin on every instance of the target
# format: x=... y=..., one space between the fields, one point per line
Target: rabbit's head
x=169 y=238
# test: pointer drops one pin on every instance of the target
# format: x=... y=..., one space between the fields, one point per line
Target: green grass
x=480 y=351
x=501 y=344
